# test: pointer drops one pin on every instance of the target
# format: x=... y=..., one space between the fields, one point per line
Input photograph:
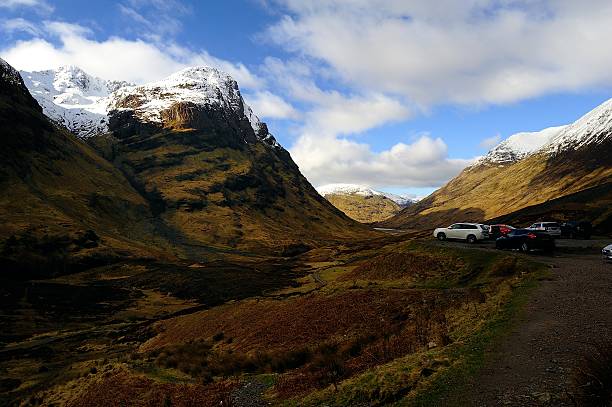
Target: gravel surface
x=249 y=395
x=533 y=366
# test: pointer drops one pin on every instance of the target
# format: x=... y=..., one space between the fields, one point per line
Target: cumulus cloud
x=423 y=163
x=326 y=151
x=490 y=142
x=269 y=105
x=468 y=52
x=113 y=58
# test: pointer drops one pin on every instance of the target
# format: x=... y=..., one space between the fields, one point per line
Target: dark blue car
x=526 y=240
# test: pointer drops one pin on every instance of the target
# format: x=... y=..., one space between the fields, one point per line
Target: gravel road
x=533 y=366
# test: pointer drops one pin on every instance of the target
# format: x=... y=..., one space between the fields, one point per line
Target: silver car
x=552 y=228
x=606 y=253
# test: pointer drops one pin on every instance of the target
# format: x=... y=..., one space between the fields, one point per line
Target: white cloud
x=14 y=25
x=338 y=114
x=395 y=58
x=468 y=52
x=268 y=105
x=325 y=153
x=39 y=5
x=490 y=142
x=114 y=58
x=423 y=163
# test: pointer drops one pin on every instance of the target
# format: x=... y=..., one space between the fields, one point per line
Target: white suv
x=552 y=228
x=470 y=232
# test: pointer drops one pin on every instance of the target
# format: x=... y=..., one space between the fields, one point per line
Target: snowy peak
x=520 y=145
x=593 y=128
x=198 y=85
x=72 y=98
x=363 y=190
x=83 y=103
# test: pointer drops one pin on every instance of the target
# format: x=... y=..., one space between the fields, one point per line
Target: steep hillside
x=211 y=170
x=571 y=159
x=362 y=203
x=61 y=205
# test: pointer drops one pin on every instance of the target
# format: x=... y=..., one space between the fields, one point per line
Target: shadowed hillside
x=62 y=206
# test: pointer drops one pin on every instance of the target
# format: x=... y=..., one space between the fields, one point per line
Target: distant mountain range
x=363 y=203
x=558 y=173
x=180 y=167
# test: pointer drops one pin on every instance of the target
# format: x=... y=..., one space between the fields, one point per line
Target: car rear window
x=551 y=224
x=518 y=232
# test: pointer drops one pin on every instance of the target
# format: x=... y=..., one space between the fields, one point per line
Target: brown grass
x=397 y=265
x=365 y=209
x=122 y=388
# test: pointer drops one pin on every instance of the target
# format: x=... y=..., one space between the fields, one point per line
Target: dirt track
x=533 y=366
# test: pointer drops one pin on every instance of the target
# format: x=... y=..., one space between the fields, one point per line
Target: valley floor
x=394 y=320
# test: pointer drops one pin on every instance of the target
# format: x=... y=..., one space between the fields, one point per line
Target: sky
x=398 y=95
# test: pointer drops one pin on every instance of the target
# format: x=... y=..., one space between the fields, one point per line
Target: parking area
x=567 y=246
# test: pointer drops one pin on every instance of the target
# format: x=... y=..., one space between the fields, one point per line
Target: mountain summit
x=84 y=103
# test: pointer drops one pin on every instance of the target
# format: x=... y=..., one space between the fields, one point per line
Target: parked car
x=552 y=228
x=496 y=231
x=607 y=253
x=526 y=240
x=470 y=232
x=576 y=230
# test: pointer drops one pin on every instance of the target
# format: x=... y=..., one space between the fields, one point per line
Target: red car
x=496 y=231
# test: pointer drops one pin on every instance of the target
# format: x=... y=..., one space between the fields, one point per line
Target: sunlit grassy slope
x=490 y=191
x=364 y=209
x=211 y=188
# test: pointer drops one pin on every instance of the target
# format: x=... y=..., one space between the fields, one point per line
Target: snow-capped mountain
x=83 y=103
x=363 y=190
x=520 y=145
x=198 y=85
x=73 y=98
x=592 y=128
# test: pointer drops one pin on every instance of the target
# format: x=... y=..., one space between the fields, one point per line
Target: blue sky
x=397 y=96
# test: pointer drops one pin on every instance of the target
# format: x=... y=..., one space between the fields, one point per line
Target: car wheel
x=525 y=247
x=441 y=236
x=471 y=239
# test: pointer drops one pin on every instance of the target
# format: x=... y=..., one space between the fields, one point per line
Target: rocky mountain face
x=62 y=206
x=552 y=170
x=206 y=166
x=363 y=203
